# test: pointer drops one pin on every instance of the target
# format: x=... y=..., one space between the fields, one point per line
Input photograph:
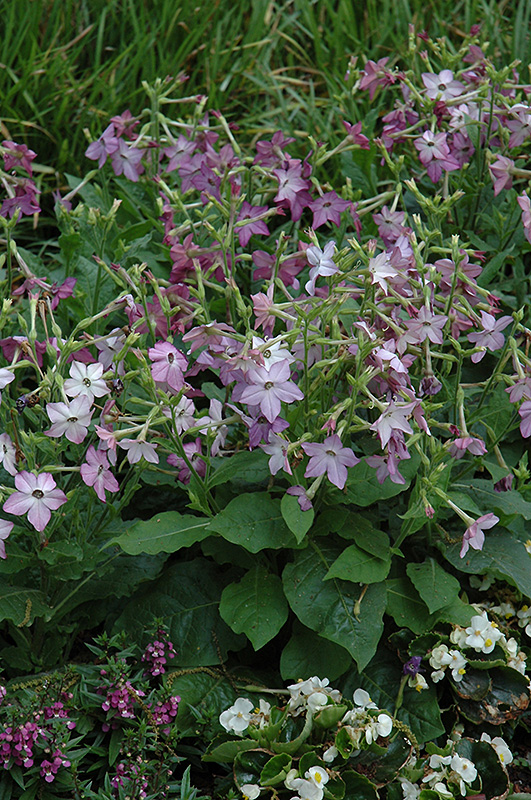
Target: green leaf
x=255 y=606
x=166 y=532
x=308 y=654
x=494 y=779
x=359 y=566
x=21 y=605
x=363 y=489
x=358 y=787
x=187 y=596
x=253 y=521
x=482 y=492
x=275 y=770
x=503 y=555
x=435 y=586
x=249 y=466
x=209 y=692
x=406 y=607
x=335 y=608
x=299 y=522
x=226 y=752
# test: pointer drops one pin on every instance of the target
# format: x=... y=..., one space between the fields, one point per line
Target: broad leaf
x=334 y=608
x=363 y=489
x=482 y=492
x=255 y=606
x=308 y=654
x=503 y=555
x=187 y=596
x=406 y=607
x=299 y=522
x=21 y=605
x=435 y=586
x=254 y=521
x=246 y=466
x=208 y=692
x=355 y=564
x=166 y=532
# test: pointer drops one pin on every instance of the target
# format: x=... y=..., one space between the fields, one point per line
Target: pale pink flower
x=96 y=472
x=71 y=419
x=525 y=204
x=490 y=338
x=474 y=536
x=501 y=172
x=168 y=365
x=330 y=457
x=269 y=389
x=86 y=379
x=8 y=454
x=5 y=529
x=193 y=454
x=322 y=263
x=137 y=449
x=460 y=446
x=37 y=496
x=442 y=86
x=183 y=414
x=277 y=448
x=6 y=376
x=393 y=418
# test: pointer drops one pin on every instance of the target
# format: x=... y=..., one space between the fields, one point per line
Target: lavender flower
x=37 y=496
x=330 y=457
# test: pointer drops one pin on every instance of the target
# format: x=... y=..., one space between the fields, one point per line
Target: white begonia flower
x=307 y=790
x=482 y=634
x=442 y=789
x=410 y=790
x=250 y=791
x=318 y=775
x=457 y=662
x=504 y=610
x=331 y=754
x=237 y=717
x=437 y=655
x=500 y=746
x=464 y=768
x=458 y=637
x=518 y=663
x=417 y=682
x=437 y=676
x=437 y=761
x=301 y=693
x=524 y=619
x=511 y=647
x=260 y=715
x=380 y=727
x=363 y=699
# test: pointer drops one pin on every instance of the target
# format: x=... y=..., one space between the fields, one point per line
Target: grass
x=67 y=66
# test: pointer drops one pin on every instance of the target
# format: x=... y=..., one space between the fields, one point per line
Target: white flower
x=524 y=616
x=318 y=775
x=302 y=691
x=260 y=717
x=330 y=754
x=382 y=727
x=437 y=655
x=307 y=790
x=456 y=660
x=464 y=768
x=410 y=790
x=437 y=761
x=482 y=635
x=417 y=682
x=458 y=637
x=518 y=663
x=363 y=699
x=272 y=351
x=250 y=791
x=86 y=379
x=8 y=454
x=500 y=746
x=437 y=676
x=237 y=717
x=442 y=789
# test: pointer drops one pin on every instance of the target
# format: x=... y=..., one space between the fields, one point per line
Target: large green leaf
x=435 y=586
x=247 y=466
x=254 y=521
x=187 y=597
x=21 y=604
x=508 y=503
x=208 y=692
x=335 y=608
x=363 y=489
x=166 y=532
x=308 y=654
x=503 y=555
x=355 y=564
x=255 y=606
x=406 y=607
x=299 y=522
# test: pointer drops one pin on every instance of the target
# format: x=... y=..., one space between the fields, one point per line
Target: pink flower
x=474 y=536
x=106 y=145
x=375 y=74
x=501 y=172
x=490 y=338
x=8 y=454
x=269 y=389
x=257 y=226
x=96 y=472
x=300 y=492
x=460 y=446
x=525 y=204
x=193 y=454
x=328 y=208
x=86 y=379
x=393 y=418
x=36 y=496
x=330 y=457
x=127 y=160
x=168 y=365
x=137 y=449
x=277 y=448
x=322 y=263
x=442 y=86
x=71 y=419
x=5 y=529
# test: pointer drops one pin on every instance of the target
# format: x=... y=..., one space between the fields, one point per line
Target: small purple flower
x=37 y=496
x=256 y=226
x=322 y=263
x=328 y=208
x=96 y=472
x=412 y=667
x=491 y=337
x=300 y=493
x=330 y=457
x=474 y=536
x=442 y=86
x=127 y=160
x=106 y=145
x=277 y=448
x=193 y=454
x=465 y=444
x=139 y=448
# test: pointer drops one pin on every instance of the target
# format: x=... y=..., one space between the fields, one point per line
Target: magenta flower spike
x=36 y=496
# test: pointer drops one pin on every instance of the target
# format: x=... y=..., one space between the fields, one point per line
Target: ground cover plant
x=274 y=397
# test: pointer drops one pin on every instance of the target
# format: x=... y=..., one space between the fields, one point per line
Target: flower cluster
x=157 y=653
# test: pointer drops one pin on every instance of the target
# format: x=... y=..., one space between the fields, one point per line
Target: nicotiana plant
x=278 y=412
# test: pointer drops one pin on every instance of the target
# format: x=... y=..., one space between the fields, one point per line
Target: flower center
x=38 y=493
x=267 y=353
x=330 y=453
x=72 y=419
x=442 y=87
x=100 y=469
x=268 y=385
x=87 y=381
x=171 y=358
